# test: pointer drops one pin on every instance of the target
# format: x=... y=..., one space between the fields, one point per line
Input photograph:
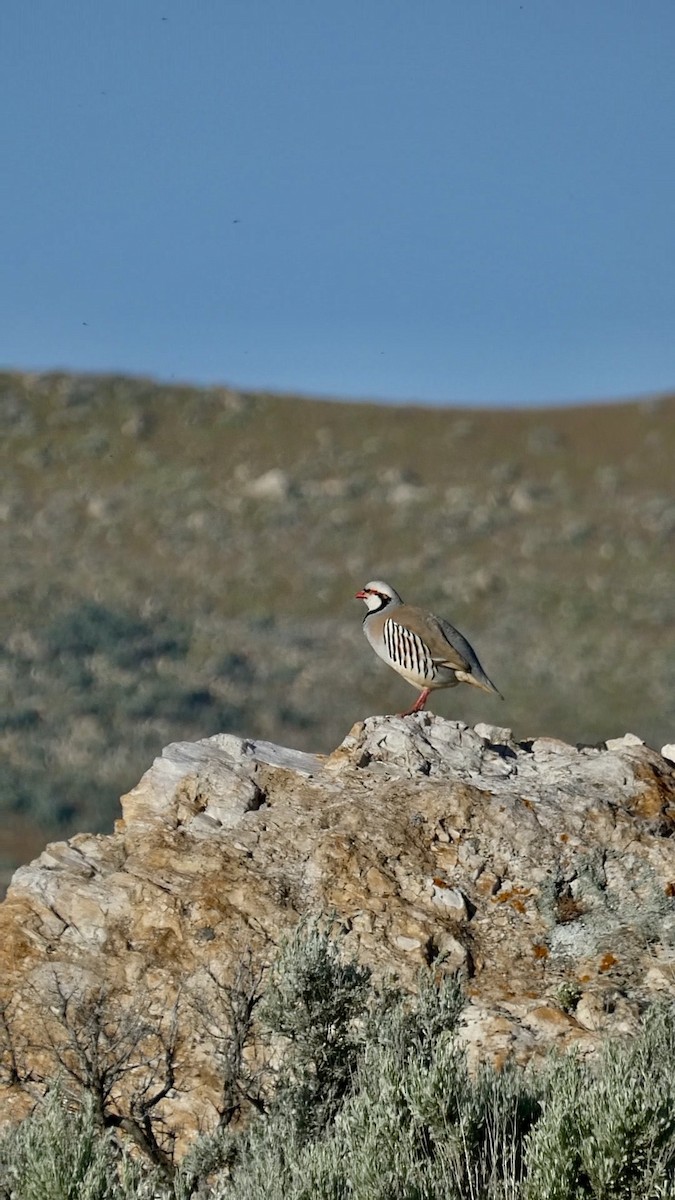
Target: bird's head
x=376 y=595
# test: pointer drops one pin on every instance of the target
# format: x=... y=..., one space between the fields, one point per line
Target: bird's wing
x=446 y=645
x=460 y=644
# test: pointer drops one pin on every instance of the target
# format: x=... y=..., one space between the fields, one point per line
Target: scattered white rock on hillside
x=272 y=485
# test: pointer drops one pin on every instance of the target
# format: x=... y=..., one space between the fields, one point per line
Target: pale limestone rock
x=273 y=485
x=628 y=739
x=523 y=866
x=197 y=779
x=450 y=899
x=406 y=493
x=407 y=944
x=523 y=499
x=496 y=734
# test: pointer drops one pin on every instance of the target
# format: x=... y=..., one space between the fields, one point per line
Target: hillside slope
x=182 y=562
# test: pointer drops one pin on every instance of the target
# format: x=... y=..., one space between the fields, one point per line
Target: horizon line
x=282 y=393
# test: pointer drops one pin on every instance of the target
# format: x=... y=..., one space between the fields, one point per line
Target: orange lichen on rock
x=606 y=963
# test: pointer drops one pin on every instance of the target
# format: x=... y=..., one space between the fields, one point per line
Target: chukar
x=424 y=649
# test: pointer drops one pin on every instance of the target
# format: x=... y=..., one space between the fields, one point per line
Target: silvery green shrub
x=58 y=1153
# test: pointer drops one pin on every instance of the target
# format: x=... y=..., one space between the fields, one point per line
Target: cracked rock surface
x=542 y=872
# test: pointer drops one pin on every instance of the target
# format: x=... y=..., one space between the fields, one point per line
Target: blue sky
x=461 y=201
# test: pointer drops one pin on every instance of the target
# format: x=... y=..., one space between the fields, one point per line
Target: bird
x=426 y=650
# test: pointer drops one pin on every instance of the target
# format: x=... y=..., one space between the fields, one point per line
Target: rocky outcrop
x=543 y=873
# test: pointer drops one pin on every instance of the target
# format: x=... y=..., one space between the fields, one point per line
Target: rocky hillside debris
x=542 y=873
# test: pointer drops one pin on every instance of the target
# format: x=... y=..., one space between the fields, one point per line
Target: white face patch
x=373 y=601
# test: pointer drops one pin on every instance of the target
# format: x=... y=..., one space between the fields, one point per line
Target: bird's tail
x=480 y=681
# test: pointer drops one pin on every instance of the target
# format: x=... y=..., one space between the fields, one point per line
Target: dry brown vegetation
x=180 y=561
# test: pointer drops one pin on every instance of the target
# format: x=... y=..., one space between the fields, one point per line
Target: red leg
x=419 y=703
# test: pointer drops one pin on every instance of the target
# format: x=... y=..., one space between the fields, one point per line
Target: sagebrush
x=371 y=1098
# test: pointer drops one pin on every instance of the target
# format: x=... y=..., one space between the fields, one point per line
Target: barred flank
x=407 y=650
